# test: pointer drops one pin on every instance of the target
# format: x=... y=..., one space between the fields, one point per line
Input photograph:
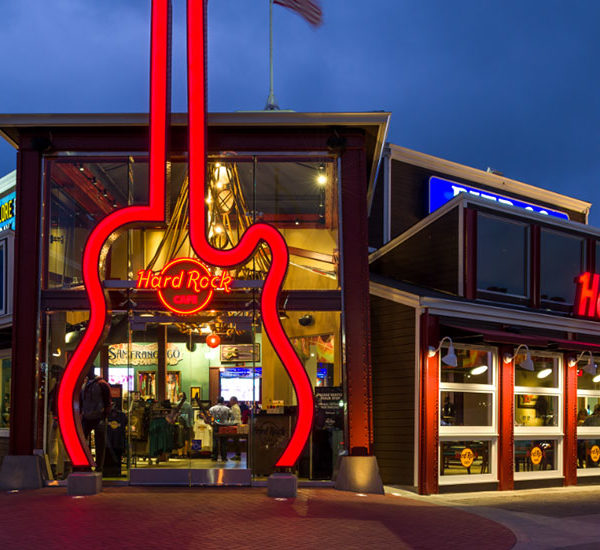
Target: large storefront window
x=560 y=257
x=537 y=418
x=164 y=375
x=588 y=420
x=468 y=416
x=502 y=256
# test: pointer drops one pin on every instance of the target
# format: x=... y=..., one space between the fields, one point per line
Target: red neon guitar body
x=100 y=238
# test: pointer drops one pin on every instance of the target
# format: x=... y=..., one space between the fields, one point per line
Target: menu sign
x=329 y=413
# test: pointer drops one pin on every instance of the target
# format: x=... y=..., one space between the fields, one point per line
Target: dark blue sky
x=511 y=84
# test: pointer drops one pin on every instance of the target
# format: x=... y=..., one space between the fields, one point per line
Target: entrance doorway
x=192 y=387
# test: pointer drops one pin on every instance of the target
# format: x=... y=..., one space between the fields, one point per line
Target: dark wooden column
x=25 y=336
x=104 y=364
x=355 y=296
x=534 y=283
x=470 y=254
x=429 y=406
x=570 y=421
x=506 y=424
x=161 y=376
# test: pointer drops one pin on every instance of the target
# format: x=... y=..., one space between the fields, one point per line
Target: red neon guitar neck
x=155 y=212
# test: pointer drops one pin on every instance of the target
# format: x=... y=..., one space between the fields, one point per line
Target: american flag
x=309 y=9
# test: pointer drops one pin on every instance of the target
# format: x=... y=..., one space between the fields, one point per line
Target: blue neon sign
x=441 y=191
x=7 y=211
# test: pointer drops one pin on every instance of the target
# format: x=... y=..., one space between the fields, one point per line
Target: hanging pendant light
x=213 y=340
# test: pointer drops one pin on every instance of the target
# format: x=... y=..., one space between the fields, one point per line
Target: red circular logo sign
x=184 y=285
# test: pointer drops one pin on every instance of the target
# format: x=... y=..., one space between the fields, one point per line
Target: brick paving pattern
x=245 y=518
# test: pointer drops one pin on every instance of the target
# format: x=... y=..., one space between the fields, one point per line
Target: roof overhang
x=374 y=124
x=497 y=182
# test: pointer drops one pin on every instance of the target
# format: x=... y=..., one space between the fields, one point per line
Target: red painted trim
x=354 y=270
x=251 y=239
x=68 y=396
x=570 y=422
x=506 y=429
x=429 y=421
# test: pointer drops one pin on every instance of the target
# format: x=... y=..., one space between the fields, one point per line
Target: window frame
x=468 y=433
x=588 y=432
x=555 y=433
x=508 y=296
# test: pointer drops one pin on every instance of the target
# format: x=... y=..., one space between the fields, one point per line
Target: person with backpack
x=95 y=405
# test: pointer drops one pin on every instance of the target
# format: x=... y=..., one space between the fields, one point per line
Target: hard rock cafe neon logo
x=185 y=285
x=587 y=300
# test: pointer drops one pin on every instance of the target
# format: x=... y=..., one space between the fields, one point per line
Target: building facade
x=484 y=329
x=306 y=175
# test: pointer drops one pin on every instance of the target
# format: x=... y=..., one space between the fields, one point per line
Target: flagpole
x=271 y=102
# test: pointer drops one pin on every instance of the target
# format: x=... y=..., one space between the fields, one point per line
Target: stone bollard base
x=282 y=485
x=359 y=474
x=21 y=472
x=84 y=483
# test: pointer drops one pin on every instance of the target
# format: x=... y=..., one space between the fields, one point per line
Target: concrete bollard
x=282 y=485
x=84 y=483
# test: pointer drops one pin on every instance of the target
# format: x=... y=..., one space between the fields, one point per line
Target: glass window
x=537 y=414
x=474 y=366
x=298 y=197
x=466 y=409
x=536 y=410
x=588 y=419
x=465 y=457
x=502 y=255
x=533 y=455
x=588 y=454
x=543 y=375
x=562 y=258
x=587 y=381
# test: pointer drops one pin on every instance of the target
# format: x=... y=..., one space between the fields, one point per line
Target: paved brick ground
x=164 y=518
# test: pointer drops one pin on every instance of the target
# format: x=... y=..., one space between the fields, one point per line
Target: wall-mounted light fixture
x=527 y=363
x=590 y=366
x=450 y=358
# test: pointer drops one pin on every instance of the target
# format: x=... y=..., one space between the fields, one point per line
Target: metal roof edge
x=497 y=182
x=266 y=118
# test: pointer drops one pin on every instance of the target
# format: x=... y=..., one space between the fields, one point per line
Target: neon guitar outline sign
x=107 y=230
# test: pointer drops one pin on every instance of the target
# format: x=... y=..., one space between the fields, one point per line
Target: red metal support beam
x=429 y=439
x=506 y=386
x=25 y=335
x=570 y=421
x=355 y=296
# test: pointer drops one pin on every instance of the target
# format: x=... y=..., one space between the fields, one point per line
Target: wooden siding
x=428 y=258
x=376 y=214
x=393 y=361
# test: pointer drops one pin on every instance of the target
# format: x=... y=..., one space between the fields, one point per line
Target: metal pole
x=271 y=102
